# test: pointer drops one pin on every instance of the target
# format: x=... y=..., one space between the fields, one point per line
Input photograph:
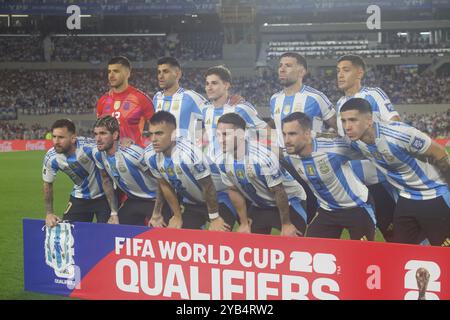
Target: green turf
x=21 y=197
x=21 y=194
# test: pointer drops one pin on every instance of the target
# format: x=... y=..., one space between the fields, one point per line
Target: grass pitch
x=22 y=197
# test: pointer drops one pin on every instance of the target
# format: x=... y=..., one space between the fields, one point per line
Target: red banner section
x=189 y=264
x=24 y=145
x=444 y=142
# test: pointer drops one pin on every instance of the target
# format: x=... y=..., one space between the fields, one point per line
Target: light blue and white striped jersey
x=186 y=106
x=256 y=173
x=382 y=108
x=308 y=100
x=394 y=151
x=183 y=169
x=330 y=176
x=221 y=188
x=369 y=174
x=80 y=167
x=212 y=114
x=128 y=171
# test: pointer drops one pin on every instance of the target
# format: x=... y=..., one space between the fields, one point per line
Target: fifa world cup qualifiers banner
x=24 y=145
x=100 y=261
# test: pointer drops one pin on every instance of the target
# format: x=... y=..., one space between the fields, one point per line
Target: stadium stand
x=335 y=48
x=76 y=92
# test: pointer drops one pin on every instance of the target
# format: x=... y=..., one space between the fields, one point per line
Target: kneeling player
x=403 y=154
x=125 y=166
x=184 y=177
x=252 y=172
x=73 y=156
x=323 y=164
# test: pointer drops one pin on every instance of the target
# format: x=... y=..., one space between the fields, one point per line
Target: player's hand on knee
x=113 y=219
x=175 y=222
x=157 y=221
x=218 y=224
x=290 y=230
x=51 y=220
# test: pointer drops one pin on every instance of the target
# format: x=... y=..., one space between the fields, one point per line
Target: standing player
x=323 y=163
x=252 y=172
x=73 y=155
x=217 y=85
x=350 y=73
x=125 y=166
x=184 y=178
x=184 y=104
x=400 y=151
x=130 y=106
x=298 y=97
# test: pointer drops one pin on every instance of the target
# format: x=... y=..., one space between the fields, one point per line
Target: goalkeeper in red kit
x=130 y=106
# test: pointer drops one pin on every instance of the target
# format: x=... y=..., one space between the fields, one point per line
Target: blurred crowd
x=76 y=92
x=20 y=131
x=437 y=125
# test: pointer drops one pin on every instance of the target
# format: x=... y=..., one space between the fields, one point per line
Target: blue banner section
x=179 y=7
x=169 y=8
x=43 y=271
x=267 y=7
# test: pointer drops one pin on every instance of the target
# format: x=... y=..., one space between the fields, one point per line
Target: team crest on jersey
x=166 y=105
x=377 y=155
x=122 y=167
x=84 y=159
x=286 y=109
x=170 y=171
x=59 y=251
x=387 y=155
x=310 y=170
x=240 y=174
x=250 y=172
x=178 y=170
x=324 y=168
x=176 y=106
x=208 y=122
x=116 y=105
